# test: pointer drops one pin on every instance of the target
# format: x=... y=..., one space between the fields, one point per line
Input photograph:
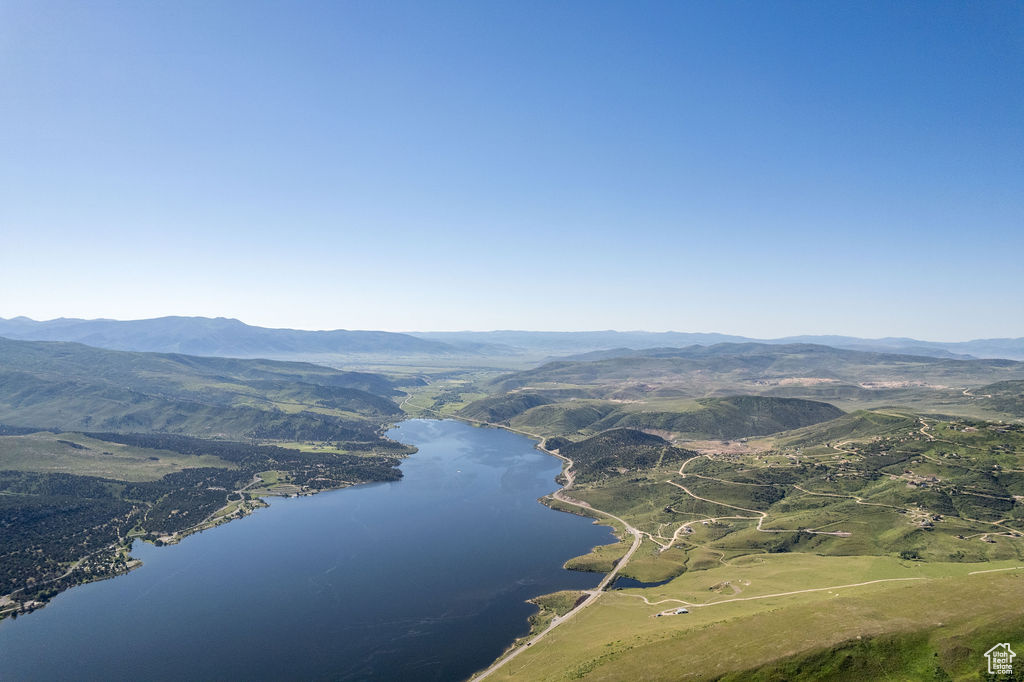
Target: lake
x=421 y=579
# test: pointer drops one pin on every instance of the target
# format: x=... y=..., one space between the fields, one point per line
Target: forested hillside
x=617 y=453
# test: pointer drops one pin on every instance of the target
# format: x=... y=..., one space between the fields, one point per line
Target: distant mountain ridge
x=216 y=337
x=556 y=343
x=228 y=337
x=1011 y=349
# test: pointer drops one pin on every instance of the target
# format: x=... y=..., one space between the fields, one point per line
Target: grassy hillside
x=942 y=653
x=77 y=360
x=1004 y=396
x=729 y=417
x=700 y=371
x=502 y=408
x=859 y=425
x=76 y=453
x=732 y=417
x=567 y=418
x=75 y=387
x=917 y=623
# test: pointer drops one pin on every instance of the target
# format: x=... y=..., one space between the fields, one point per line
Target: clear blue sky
x=755 y=168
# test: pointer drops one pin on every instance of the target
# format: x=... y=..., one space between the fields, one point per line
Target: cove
x=420 y=579
x=622 y=582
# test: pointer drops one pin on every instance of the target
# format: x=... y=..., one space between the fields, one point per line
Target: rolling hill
x=502 y=408
x=728 y=417
x=859 y=425
x=71 y=386
x=616 y=453
x=765 y=369
x=1004 y=396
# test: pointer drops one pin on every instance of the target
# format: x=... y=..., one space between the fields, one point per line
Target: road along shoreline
x=561 y=496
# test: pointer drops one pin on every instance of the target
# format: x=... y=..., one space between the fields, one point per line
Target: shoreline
x=586 y=510
x=119 y=552
x=250 y=502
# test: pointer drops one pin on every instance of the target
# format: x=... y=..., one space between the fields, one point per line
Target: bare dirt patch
x=726 y=447
x=899 y=384
x=806 y=381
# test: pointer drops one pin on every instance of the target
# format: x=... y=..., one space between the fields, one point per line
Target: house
x=1000 y=659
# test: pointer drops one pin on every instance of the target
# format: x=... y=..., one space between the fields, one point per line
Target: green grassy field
x=75 y=453
x=445 y=395
x=549 y=606
x=941 y=616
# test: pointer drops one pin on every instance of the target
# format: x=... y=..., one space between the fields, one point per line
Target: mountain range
x=232 y=338
x=220 y=336
x=563 y=343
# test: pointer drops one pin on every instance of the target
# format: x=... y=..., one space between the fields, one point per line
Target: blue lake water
x=421 y=579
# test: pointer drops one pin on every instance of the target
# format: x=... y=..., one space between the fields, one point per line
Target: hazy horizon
x=752 y=336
